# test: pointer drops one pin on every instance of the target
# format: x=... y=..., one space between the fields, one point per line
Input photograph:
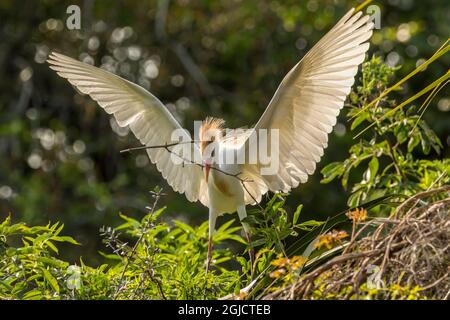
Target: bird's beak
x=206 y=169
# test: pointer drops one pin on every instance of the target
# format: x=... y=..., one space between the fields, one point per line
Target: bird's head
x=210 y=133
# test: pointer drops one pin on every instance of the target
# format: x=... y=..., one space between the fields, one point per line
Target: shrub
x=151 y=259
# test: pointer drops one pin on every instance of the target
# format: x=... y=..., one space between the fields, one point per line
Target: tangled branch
x=409 y=250
x=168 y=146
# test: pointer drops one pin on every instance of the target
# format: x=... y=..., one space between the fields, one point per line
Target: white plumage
x=303 y=109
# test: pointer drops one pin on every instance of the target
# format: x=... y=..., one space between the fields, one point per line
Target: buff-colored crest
x=210 y=129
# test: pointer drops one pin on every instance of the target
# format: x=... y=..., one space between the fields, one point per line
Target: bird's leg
x=209 y=256
x=212 y=225
x=251 y=252
x=242 y=215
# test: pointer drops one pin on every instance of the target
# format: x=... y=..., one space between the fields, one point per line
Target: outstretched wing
x=147 y=117
x=307 y=102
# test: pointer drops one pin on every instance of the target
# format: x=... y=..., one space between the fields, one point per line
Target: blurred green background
x=59 y=152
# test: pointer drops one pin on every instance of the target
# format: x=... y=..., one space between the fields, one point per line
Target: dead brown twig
x=409 y=249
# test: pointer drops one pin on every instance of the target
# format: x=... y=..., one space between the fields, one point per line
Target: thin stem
x=133 y=251
x=164 y=146
x=167 y=147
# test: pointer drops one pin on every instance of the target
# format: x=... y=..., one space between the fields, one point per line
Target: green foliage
x=60 y=157
x=62 y=161
x=30 y=271
x=390 y=162
x=164 y=262
x=390 y=150
x=272 y=226
x=143 y=259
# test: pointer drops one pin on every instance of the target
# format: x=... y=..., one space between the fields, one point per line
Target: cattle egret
x=301 y=114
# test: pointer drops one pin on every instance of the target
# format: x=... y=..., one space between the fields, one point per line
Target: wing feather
x=307 y=102
x=147 y=117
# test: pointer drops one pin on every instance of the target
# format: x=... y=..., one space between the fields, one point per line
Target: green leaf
x=58 y=231
x=402 y=134
x=52 y=262
x=309 y=225
x=153 y=216
x=252 y=220
x=51 y=280
x=297 y=214
x=183 y=226
x=52 y=246
x=225 y=226
x=32 y=295
x=432 y=137
x=426 y=147
x=258 y=242
x=131 y=221
x=355 y=199
x=234 y=237
x=332 y=171
x=413 y=142
x=66 y=239
x=345 y=176
x=373 y=168
x=360 y=119
x=114 y=257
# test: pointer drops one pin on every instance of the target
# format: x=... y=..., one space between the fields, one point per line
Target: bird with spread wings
x=302 y=112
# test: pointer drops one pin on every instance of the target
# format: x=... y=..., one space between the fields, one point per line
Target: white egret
x=302 y=113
